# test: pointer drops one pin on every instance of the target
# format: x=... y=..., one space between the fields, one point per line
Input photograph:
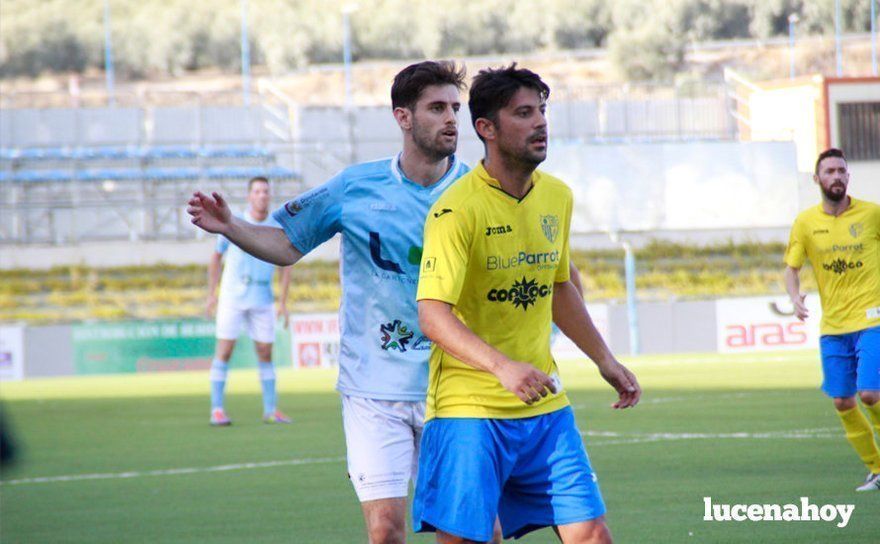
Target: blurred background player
x=500 y=436
x=841 y=238
x=246 y=299
x=379 y=208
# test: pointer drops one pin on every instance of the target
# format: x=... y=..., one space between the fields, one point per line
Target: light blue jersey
x=246 y=280
x=381 y=215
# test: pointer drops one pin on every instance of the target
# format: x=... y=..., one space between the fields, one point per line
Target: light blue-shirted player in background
x=246 y=299
x=379 y=208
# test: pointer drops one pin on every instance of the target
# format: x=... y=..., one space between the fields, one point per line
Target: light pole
x=347 y=10
x=874 y=37
x=109 y=75
x=245 y=56
x=792 y=20
x=837 y=45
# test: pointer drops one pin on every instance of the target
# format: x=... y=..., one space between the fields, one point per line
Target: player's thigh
x=380 y=444
x=553 y=483
x=230 y=320
x=463 y=464
x=839 y=365
x=868 y=354
x=585 y=532
x=417 y=420
x=261 y=325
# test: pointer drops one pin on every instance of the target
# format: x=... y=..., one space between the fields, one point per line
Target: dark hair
x=410 y=82
x=492 y=89
x=830 y=152
x=257 y=179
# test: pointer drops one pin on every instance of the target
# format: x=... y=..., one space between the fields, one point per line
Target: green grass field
x=131 y=458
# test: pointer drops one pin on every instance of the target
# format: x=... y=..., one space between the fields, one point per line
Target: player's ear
x=403 y=116
x=485 y=128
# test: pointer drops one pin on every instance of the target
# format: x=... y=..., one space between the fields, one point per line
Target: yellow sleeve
x=446 y=254
x=795 y=253
x=563 y=273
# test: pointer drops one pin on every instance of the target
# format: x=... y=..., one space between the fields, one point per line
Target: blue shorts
x=851 y=362
x=532 y=473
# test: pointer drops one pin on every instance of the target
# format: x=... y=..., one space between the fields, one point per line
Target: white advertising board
x=766 y=324
x=314 y=340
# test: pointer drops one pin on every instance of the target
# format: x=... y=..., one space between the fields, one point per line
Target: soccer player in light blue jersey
x=246 y=299
x=379 y=208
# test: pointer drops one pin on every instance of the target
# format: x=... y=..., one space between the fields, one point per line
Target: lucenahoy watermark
x=805 y=511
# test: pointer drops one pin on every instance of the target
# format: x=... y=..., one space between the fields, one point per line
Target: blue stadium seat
x=170 y=152
x=171 y=173
x=235 y=152
x=241 y=172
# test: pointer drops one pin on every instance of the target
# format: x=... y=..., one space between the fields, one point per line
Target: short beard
x=832 y=196
x=431 y=147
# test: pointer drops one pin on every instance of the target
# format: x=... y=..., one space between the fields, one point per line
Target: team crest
x=550 y=226
x=856 y=230
x=395 y=335
x=293 y=207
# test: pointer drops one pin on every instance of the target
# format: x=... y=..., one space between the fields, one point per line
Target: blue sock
x=267 y=379
x=218 y=383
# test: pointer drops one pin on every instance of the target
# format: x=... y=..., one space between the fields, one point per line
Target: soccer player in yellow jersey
x=841 y=238
x=500 y=436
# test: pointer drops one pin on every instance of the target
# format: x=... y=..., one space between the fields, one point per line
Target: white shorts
x=260 y=322
x=382 y=441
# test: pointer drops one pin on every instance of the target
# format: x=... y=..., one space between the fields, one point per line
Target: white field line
x=622 y=438
x=752 y=359
x=638 y=438
x=172 y=471
x=664 y=400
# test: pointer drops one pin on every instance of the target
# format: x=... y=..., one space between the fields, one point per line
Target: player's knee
x=844 y=403
x=264 y=351
x=387 y=531
x=870 y=397
x=594 y=532
x=446 y=538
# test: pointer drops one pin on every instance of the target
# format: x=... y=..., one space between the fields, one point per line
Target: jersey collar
x=437 y=187
x=481 y=172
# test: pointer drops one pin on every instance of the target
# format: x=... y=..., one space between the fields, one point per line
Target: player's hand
x=800 y=307
x=211 y=305
x=525 y=381
x=210 y=213
x=624 y=382
x=283 y=313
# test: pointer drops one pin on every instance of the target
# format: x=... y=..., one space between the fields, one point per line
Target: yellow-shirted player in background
x=500 y=436
x=841 y=238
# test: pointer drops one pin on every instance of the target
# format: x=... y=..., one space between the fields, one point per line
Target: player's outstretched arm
x=212 y=213
x=793 y=288
x=572 y=318
x=445 y=329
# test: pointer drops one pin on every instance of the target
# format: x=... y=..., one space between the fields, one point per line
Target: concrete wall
x=665 y=327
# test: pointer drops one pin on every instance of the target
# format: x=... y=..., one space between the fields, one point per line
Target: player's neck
x=421 y=169
x=835 y=208
x=515 y=179
x=258 y=216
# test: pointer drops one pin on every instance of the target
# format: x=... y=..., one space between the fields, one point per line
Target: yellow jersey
x=845 y=254
x=495 y=258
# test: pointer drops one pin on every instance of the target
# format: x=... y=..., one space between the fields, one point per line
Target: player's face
x=258 y=197
x=833 y=178
x=435 y=121
x=521 y=131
